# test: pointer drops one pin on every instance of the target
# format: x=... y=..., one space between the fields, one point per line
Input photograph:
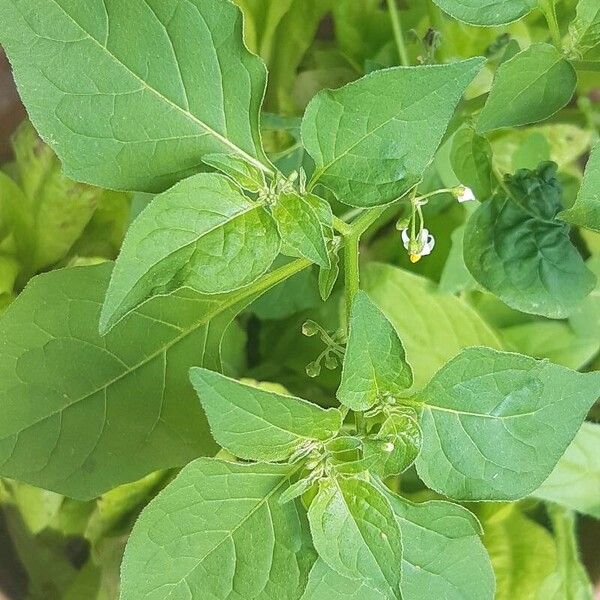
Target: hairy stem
x=398 y=35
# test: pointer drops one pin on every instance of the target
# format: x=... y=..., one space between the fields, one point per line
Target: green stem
x=549 y=10
x=398 y=35
x=351 y=273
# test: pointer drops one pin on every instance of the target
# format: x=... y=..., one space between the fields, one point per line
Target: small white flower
x=422 y=246
x=464 y=194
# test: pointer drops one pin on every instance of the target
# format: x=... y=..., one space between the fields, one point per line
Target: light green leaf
x=584 y=30
x=242 y=172
x=434 y=327
x=355 y=533
x=575 y=481
x=71 y=400
x=326 y=584
x=586 y=210
x=516 y=248
x=367 y=138
x=375 y=364
x=328 y=277
x=302 y=233
x=487 y=12
x=530 y=87
x=585 y=319
x=455 y=276
x=495 y=423
x=118 y=119
x=471 y=158
x=257 y=424
x=218 y=532
x=443 y=556
x=203 y=234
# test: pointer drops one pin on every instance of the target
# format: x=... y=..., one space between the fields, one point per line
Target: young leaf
x=575 y=481
x=300 y=228
x=516 y=248
x=256 y=424
x=120 y=120
x=584 y=31
x=443 y=556
x=328 y=277
x=495 y=423
x=218 y=531
x=367 y=138
x=375 y=362
x=586 y=210
x=245 y=174
x=471 y=158
x=530 y=87
x=72 y=401
x=203 y=234
x=487 y=12
x=355 y=533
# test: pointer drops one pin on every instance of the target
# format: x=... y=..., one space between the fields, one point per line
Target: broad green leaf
x=246 y=175
x=9 y=271
x=355 y=533
x=71 y=400
x=584 y=30
x=218 y=531
x=433 y=327
x=203 y=234
x=375 y=366
x=586 y=210
x=325 y=584
x=529 y=87
x=443 y=556
x=575 y=481
x=118 y=119
x=495 y=423
x=585 y=319
x=471 y=159
x=455 y=276
x=257 y=424
x=523 y=553
x=516 y=248
x=367 y=138
x=302 y=233
x=487 y=12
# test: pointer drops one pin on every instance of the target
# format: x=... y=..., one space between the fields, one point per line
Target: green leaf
x=367 y=138
x=375 y=364
x=328 y=277
x=326 y=584
x=530 y=87
x=71 y=400
x=575 y=481
x=242 y=172
x=256 y=424
x=584 y=30
x=487 y=12
x=471 y=158
x=495 y=423
x=586 y=210
x=433 y=327
x=302 y=233
x=203 y=234
x=355 y=533
x=443 y=556
x=120 y=120
x=455 y=276
x=516 y=248
x=218 y=531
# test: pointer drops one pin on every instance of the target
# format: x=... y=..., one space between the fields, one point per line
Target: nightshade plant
x=111 y=372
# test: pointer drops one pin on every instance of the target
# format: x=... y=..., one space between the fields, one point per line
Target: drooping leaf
x=355 y=533
x=575 y=481
x=495 y=423
x=203 y=234
x=246 y=175
x=471 y=159
x=584 y=30
x=367 y=138
x=487 y=12
x=302 y=233
x=375 y=364
x=117 y=118
x=218 y=531
x=256 y=424
x=530 y=87
x=433 y=327
x=516 y=247
x=72 y=401
x=586 y=210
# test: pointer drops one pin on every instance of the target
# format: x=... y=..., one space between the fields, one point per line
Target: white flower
x=422 y=246
x=464 y=194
